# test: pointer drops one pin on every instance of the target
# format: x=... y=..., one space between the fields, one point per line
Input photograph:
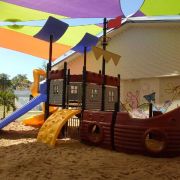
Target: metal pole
x=47 y=77
x=84 y=83
x=114 y=115
x=4 y=107
x=150 y=109
x=68 y=82
x=118 y=89
x=64 y=87
x=103 y=64
x=85 y=56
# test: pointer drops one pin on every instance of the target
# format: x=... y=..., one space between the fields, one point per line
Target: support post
x=103 y=64
x=84 y=82
x=118 y=93
x=68 y=80
x=47 y=77
x=114 y=115
x=84 y=89
x=64 y=86
x=150 y=109
x=85 y=56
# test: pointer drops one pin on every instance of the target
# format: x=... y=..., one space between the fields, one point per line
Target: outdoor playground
x=108 y=142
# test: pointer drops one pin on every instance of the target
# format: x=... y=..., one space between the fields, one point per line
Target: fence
x=71 y=129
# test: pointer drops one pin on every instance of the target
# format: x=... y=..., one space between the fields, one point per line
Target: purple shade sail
x=138 y=14
x=87 y=41
x=74 y=8
x=53 y=27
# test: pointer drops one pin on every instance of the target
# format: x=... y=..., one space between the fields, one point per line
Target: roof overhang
x=70 y=55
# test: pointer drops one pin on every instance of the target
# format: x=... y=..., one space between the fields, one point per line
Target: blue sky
x=13 y=63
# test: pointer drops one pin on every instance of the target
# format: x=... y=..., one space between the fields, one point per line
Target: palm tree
x=5 y=83
x=7 y=100
x=7 y=97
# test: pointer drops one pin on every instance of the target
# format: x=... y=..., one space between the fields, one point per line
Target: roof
x=143 y=19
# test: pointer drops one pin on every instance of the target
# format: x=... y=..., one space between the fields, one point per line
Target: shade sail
x=87 y=41
x=73 y=8
x=94 y=8
x=161 y=7
x=53 y=27
x=70 y=38
x=29 y=45
x=32 y=10
x=128 y=10
x=11 y=11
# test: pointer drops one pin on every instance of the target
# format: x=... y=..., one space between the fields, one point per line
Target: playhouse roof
x=20 y=20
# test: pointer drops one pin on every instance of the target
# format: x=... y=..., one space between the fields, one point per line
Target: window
x=111 y=96
x=74 y=89
x=94 y=94
x=55 y=89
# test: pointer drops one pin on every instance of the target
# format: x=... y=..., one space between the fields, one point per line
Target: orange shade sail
x=30 y=45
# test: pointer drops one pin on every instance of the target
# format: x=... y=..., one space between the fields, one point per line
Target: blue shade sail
x=53 y=27
x=87 y=41
x=130 y=7
x=71 y=21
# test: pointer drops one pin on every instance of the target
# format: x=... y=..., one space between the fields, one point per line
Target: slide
x=37 y=74
x=37 y=120
x=31 y=104
x=53 y=125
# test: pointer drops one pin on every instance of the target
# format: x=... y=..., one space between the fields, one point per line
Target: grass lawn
x=28 y=114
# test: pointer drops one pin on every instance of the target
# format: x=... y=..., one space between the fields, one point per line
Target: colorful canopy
x=30 y=45
x=73 y=8
x=86 y=42
x=54 y=28
x=23 y=19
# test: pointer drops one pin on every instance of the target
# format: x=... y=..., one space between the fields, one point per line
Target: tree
x=7 y=99
x=21 y=82
x=5 y=83
x=44 y=66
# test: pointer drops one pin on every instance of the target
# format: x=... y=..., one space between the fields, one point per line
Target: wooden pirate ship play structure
x=94 y=97
x=102 y=123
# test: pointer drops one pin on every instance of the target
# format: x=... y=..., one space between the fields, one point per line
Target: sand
x=22 y=158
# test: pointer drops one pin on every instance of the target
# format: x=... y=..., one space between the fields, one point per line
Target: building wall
x=170 y=90
x=148 y=51
x=167 y=94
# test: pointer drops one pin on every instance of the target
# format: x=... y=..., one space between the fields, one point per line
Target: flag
x=98 y=52
x=114 y=23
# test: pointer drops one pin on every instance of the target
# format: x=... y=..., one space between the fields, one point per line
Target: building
x=23 y=98
x=150 y=62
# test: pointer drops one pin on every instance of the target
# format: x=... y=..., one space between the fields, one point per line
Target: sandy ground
x=22 y=158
